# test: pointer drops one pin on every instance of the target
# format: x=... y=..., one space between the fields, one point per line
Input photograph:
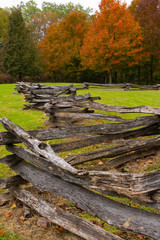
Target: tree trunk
x=62 y=76
x=126 y=77
x=20 y=77
x=105 y=77
x=139 y=75
x=110 y=77
x=151 y=70
x=115 y=77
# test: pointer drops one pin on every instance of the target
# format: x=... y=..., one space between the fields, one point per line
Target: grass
x=11 y=107
x=7 y=236
x=12 y=104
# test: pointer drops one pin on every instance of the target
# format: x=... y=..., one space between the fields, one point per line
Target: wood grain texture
x=56 y=215
x=114 y=213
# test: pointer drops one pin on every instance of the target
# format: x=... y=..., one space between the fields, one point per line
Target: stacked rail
x=38 y=94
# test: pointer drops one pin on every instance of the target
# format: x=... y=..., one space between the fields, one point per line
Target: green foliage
x=3 y=25
x=19 y=50
x=3 y=32
x=29 y=10
x=62 y=10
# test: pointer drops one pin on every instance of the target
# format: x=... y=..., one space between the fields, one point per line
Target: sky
x=86 y=3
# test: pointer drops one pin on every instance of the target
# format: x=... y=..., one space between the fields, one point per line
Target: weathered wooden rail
x=134 y=87
x=40 y=165
x=67 y=112
x=65 y=108
x=125 y=86
x=39 y=94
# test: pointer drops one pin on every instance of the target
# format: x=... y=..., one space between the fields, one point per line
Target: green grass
x=11 y=107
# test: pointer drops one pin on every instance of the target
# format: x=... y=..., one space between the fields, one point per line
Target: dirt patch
x=11 y=221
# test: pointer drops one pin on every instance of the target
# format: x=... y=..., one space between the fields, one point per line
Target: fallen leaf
x=7 y=215
x=22 y=218
x=101 y=224
x=2 y=232
x=46 y=194
x=97 y=223
x=61 y=205
x=134 y=205
x=94 y=222
x=149 y=161
x=100 y=163
x=142 y=164
x=125 y=169
x=60 y=229
x=140 y=236
x=13 y=206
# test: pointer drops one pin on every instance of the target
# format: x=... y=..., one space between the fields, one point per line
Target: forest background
x=67 y=43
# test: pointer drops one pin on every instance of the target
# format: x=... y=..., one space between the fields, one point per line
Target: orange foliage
x=114 y=38
x=60 y=48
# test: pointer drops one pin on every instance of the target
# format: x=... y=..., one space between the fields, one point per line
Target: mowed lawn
x=11 y=107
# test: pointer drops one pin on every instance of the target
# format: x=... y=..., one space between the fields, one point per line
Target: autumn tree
x=38 y=20
x=147 y=13
x=60 y=49
x=19 y=50
x=113 y=40
x=39 y=24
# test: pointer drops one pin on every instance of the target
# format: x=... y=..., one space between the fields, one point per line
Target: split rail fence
x=125 y=86
x=37 y=95
x=41 y=165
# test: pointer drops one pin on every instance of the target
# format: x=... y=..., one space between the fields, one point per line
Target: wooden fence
x=71 y=111
x=64 y=107
x=125 y=86
x=47 y=171
x=39 y=94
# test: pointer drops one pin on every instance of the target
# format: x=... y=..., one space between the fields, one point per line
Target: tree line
x=69 y=43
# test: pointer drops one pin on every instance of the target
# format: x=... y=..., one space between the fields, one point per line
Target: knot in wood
x=42 y=146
